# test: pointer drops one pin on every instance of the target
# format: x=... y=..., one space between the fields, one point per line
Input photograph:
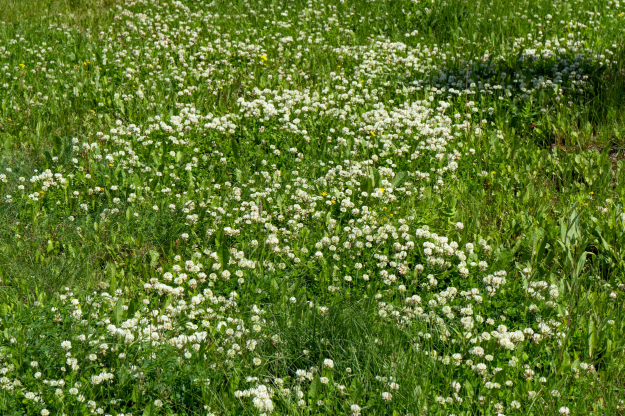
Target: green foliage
x=379 y=207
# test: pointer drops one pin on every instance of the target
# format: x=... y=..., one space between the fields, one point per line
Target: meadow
x=307 y=207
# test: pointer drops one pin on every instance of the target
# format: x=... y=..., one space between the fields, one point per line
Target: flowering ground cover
x=389 y=207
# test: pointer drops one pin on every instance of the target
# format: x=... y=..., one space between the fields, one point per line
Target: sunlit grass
x=388 y=207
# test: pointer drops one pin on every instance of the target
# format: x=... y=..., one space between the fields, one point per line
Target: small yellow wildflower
x=333 y=201
x=324 y=193
x=263 y=57
x=110 y=164
x=382 y=190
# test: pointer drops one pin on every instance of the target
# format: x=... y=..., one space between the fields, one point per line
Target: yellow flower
x=263 y=57
x=92 y=111
x=333 y=201
x=373 y=134
x=40 y=192
x=110 y=164
x=22 y=65
x=381 y=190
x=494 y=172
x=323 y=194
x=592 y=193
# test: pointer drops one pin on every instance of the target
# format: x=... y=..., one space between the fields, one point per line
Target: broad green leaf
x=154 y=256
x=223 y=251
x=235 y=149
x=376 y=178
x=8 y=143
x=355 y=390
x=275 y=287
x=541 y=250
x=314 y=389
x=119 y=310
x=149 y=410
x=57 y=144
x=566 y=362
x=399 y=179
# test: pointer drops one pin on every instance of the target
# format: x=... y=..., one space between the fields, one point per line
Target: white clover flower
x=477 y=351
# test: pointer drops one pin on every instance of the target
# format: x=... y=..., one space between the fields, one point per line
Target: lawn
x=365 y=207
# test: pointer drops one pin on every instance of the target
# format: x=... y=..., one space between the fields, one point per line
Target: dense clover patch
x=276 y=252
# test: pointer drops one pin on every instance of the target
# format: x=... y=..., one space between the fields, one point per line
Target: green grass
x=86 y=14
x=210 y=200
